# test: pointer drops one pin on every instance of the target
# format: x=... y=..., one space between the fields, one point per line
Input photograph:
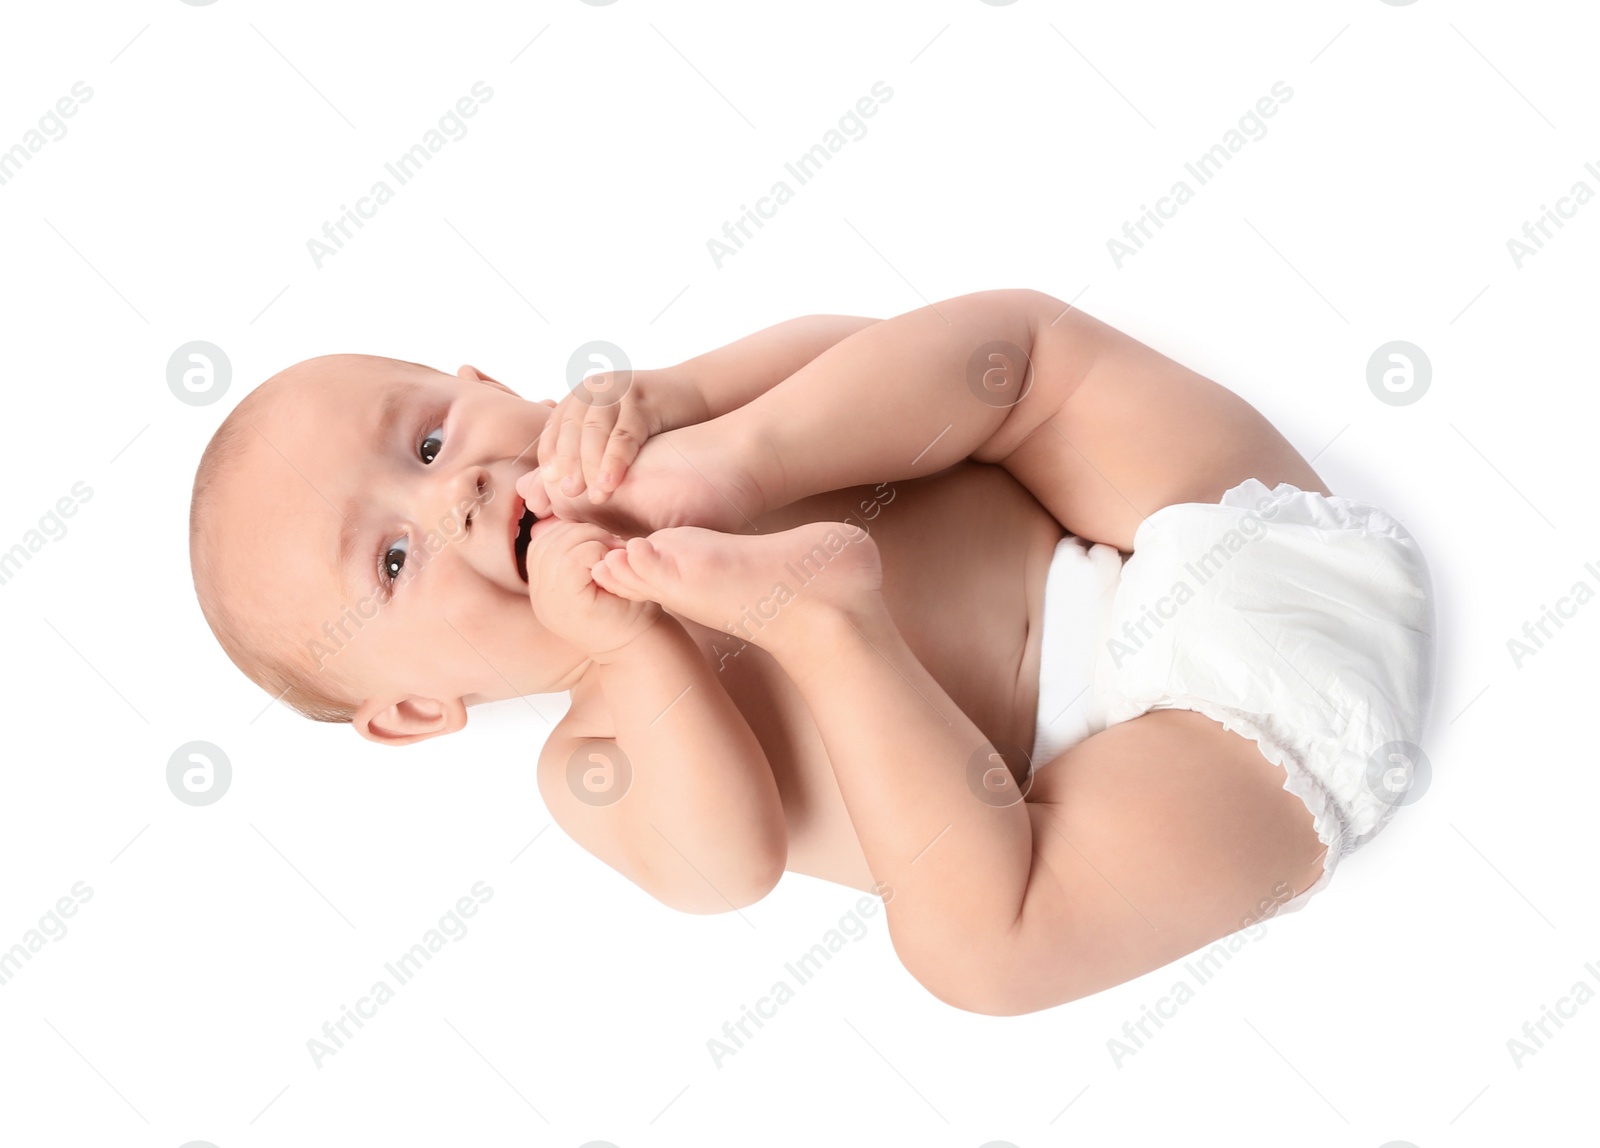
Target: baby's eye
x=394 y=560
x=429 y=448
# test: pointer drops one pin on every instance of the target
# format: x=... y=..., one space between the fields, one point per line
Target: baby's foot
x=691 y=476
x=768 y=589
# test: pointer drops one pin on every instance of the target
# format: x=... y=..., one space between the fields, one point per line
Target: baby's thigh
x=1137 y=432
x=1160 y=835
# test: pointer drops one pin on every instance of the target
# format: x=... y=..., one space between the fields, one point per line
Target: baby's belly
x=965 y=554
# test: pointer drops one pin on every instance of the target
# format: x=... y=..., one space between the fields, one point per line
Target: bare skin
x=1132 y=848
x=838 y=743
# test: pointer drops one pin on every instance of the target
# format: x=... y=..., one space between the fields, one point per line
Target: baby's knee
x=966 y=968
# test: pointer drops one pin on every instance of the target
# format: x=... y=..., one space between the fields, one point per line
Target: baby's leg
x=1137 y=432
x=1156 y=837
x=1102 y=429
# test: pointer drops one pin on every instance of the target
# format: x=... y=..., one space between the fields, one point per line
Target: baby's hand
x=565 y=597
x=595 y=432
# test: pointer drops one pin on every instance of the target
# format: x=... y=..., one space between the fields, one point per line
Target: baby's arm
x=654 y=770
x=689 y=810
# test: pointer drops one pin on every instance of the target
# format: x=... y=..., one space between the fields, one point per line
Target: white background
x=1018 y=140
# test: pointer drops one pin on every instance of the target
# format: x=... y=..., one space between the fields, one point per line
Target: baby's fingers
x=598 y=421
x=564 y=466
x=550 y=435
x=613 y=574
x=534 y=494
x=621 y=448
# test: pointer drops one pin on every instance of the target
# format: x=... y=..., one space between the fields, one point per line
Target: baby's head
x=353 y=537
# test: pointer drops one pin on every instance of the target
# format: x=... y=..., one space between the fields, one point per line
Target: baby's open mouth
x=520 y=546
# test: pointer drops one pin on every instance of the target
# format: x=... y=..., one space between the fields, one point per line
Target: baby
x=805 y=627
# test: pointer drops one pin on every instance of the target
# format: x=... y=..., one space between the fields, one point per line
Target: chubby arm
x=689 y=810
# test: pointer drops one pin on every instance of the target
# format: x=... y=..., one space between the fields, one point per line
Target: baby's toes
x=615 y=573
x=631 y=566
x=673 y=564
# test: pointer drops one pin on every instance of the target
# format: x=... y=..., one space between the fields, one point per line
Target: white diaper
x=1302 y=622
x=1078 y=595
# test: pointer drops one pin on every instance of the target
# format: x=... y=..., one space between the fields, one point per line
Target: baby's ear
x=471 y=374
x=408 y=720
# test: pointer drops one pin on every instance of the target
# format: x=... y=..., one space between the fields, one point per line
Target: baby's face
x=373 y=522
